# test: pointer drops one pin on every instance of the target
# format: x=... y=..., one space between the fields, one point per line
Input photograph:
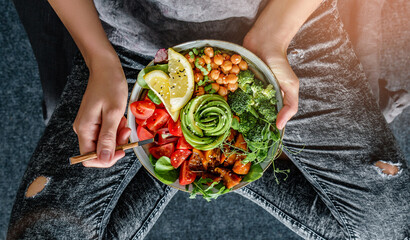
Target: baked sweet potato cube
x=212 y=158
x=195 y=161
x=240 y=168
x=231 y=136
x=229 y=178
x=230 y=159
x=240 y=142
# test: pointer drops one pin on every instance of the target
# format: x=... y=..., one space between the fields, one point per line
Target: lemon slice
x=158 y=81
x=181 y=82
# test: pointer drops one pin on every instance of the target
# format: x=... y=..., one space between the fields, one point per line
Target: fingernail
x=105 y=155
x=280 y=125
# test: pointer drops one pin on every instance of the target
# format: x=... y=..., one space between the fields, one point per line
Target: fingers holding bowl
x=289 y=84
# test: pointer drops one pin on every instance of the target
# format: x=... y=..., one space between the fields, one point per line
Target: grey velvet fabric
x=333 y=192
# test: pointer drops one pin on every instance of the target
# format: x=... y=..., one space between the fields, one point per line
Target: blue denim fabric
x=334 y=190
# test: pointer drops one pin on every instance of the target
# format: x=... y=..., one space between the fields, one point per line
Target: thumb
x=289 y=84
x=107 y=137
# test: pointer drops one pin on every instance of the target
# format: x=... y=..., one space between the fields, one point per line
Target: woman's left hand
x=270 y=37
x=275 y=58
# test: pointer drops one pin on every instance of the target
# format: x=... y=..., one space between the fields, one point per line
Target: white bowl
x=258 y=67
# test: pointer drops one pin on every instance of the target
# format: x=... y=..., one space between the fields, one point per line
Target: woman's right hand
x=100 y=123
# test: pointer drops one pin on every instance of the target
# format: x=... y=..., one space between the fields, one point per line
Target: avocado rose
x=206 y=121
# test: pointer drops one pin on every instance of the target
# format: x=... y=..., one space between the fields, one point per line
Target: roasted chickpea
x=231 y=78
x=236 y=59
x=215 y=86
x=201 y=61
x=214 y=74
x=200 y=91
x=192 y=64
x=232 y=86
x=235 y=69
x=226 y=66
x=198 y=77
x=218 y=59
x=220 y=79
x=214 y=65
x=209 y=52
x=226 y=56
x=222 y=91
x=243 y=65
x=206 y=59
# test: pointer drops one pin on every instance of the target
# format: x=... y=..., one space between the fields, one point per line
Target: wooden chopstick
x=93 y=155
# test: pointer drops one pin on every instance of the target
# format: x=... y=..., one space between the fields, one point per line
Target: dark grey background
x=21 y=124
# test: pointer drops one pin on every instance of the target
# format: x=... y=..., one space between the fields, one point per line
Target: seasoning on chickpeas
x=226 y=66
x=232 y=86
x=198 y=77
x=231 y=78
x=214 y=65
x=207 y=59
x=218 y=59
x=209 y=52
x=200 y=91
x=235 y=69
x=220 y=79
x=215 y=86
x=215 y=70
x=243 y=65
x=201 y=61
x=214 y=74
x=222 y=91
x=236 y=59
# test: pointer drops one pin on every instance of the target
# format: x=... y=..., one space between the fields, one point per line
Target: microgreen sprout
x=195 y=51
x=208 y=192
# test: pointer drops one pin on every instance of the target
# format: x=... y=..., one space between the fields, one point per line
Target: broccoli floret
x=255 y=134
x=269 y=91
x=257 y=88
x=247 y=122
x=267 y=110
x=245 y=79
x=273 y=101
x=239 y=101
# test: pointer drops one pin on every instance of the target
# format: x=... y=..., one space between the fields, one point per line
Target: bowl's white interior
x=261 y=70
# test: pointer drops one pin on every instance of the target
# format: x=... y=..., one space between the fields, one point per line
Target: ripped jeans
x=338 y=144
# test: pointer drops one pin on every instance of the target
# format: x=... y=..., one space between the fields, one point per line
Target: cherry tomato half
x=175 y=128
x=163 y=150
x=157 y=120
x=185 y=175
x=179 y=156
x=141 y=122
x=183 y=144
x=163 y=136
x=143 y=134
x=142 y=109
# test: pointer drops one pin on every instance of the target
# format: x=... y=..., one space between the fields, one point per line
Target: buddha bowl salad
x=212 y=120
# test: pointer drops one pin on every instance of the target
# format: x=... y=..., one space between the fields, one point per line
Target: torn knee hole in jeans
x=36 y=186
x=388 y=168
